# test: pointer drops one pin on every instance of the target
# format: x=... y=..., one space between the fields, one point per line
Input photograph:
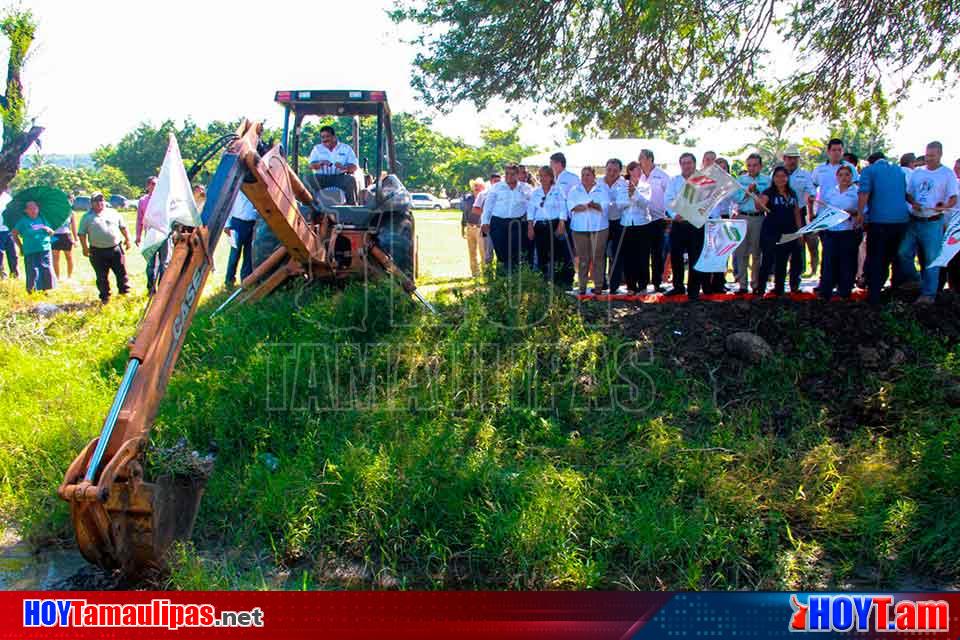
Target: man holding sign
x=932 y=191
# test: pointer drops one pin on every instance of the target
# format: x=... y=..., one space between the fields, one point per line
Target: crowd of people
x=615 y=230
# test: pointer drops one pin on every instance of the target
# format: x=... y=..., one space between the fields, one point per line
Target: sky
x=100 y=67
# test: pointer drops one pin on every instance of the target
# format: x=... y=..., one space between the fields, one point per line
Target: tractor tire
x=264 y=242
x=396 y=237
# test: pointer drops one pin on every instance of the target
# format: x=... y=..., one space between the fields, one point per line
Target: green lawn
x=506 y=443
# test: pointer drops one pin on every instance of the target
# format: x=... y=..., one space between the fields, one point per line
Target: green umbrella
x=53 y=203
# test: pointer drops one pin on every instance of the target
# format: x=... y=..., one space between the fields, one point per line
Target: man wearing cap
x=101 y=231
x=802 y=184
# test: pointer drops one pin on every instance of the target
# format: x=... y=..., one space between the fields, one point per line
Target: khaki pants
x=591 y=247
x=475 y=248
x=749 y=253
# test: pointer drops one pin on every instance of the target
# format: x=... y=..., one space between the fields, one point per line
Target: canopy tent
x=596 y=153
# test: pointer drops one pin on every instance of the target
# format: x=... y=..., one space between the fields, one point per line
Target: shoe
x=582 y=292
x=596 y=291
x=676 y=291
x=924 y=300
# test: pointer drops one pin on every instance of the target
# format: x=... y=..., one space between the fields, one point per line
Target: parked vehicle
x=429 y=201
x=81 y=203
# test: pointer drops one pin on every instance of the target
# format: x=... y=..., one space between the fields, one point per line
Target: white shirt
x=550 y=206
x=930 y=188
x=567 y=180
x=613 y=209
x=674 y=187
x=342 y=153
x=658 y=181
x=503 y=202
x=591 y=219
x=635 y=208
x=243 y=209
x=825 y=178
x=846 y=201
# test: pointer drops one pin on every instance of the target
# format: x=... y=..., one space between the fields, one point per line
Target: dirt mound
x=840 y=340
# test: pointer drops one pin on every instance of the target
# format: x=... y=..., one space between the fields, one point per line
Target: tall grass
x=507 y=443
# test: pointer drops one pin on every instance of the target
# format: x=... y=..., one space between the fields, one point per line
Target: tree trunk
x=10 y=155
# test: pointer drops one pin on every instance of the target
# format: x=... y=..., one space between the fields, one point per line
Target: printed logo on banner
x=878 y=613
x=156 y=613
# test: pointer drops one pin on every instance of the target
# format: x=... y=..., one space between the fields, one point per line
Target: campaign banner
x=701 y=193
x=828 y=217
x=951 y=240
x=424 y=615
x=721 y=238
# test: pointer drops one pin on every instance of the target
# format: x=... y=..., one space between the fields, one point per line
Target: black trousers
x=613 y=273
x=883 y=246
x=638 y=246
x=103 y=262
x=684 y=237
x=554 y=253
x=839 y=264
x=657 y=257
x=775 y=257
x=507 y=235
x=343 y=181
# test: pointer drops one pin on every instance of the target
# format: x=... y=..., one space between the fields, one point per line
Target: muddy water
x=23 y=567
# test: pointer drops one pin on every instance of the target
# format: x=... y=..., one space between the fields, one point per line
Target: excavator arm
x=122 y=521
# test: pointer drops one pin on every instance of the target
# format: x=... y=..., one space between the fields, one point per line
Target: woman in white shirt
x=587 y=205
x=547 y=229
x=637 y=240
x=841 y=242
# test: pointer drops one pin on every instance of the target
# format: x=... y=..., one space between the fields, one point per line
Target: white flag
x=951 y=240
x=171 y=202
x=721 y=238
x=829 y=217
x=702 y=192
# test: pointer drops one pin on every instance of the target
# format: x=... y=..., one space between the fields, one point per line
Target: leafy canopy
x=647 y=67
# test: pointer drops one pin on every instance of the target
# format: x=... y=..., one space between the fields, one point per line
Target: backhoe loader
x=124 y=522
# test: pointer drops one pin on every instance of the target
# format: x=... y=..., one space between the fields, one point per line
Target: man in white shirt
x=657 y=180
x=504 y=217
x=610 y=184
x=684 y=237
x=493 y=179
x=932 y=193
x=334 y=164
x=566 y=180
x=240 y=226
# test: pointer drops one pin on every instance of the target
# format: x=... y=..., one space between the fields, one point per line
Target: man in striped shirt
x=334 y=164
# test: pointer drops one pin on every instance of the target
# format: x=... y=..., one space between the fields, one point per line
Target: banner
x=171 y=202
x=702 y=192
x=951 y=239
x=829 y=217
x=721 y=238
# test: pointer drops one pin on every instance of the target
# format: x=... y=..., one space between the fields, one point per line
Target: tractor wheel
x=396 y=237
x=264 y=242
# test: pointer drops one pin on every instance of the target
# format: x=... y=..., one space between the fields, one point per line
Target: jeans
x=684 y=237
x=883 y=245
x=244 y=241
x=38 y=269
x=554 y=255
x=774 y=260
x=156 y=265
x=8 y=247
x=103 y=262
x=507 y=235
x=840 y=256
x=927 y=236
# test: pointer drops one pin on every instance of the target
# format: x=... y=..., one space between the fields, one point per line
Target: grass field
x=506 y=443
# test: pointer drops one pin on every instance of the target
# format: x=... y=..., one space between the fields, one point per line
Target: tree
x=500 y=147
x=634 y=66
x=19 y=28
x=108 y=180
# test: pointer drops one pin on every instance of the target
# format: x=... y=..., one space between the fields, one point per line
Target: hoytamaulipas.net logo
x=868 y=613
x=61 y=612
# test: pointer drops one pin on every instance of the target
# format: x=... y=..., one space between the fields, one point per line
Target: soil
x=693 y=336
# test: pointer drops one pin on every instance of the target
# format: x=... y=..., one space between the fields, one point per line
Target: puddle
x=25 y=568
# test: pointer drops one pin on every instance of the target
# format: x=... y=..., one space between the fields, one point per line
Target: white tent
x=596 y=152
